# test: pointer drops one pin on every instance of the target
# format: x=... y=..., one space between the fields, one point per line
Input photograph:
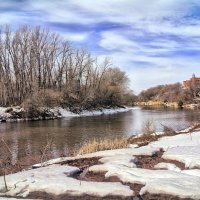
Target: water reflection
x=28 y=138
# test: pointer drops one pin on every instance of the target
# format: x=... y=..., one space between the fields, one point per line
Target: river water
x=68 y=134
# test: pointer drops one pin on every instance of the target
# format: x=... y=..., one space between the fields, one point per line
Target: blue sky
x=154 y=41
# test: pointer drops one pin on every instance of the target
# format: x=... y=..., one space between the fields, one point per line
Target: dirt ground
x=148 y=162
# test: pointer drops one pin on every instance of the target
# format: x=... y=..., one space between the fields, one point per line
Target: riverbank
x=168 y=168
x=17 y=113
x=168 y=104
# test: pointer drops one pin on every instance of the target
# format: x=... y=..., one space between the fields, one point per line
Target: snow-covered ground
x=163 y=178
x=55 y=179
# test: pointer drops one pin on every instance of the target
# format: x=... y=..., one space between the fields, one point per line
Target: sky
x=154 y=41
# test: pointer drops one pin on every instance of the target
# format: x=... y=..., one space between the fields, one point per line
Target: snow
x=184 y=148
x=155 y=181
x=171 y=183
x=2 y=109
x=145 y=150
x=67 y=113
x=3 y=113
x=125 y=160
x=55 y=179
x=193 y=172
x=133 y=145
x=189 y=139
x=190 y=129
x=106 y=111
x=168 y=166
x=189 y=155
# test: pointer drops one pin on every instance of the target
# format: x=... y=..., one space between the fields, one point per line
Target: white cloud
x=161 y=69
x=112 y=40
x=75 y=37
x=155 y=33
x=138 y=13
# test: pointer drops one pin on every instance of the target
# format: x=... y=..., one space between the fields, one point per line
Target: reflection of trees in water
x=191 y=117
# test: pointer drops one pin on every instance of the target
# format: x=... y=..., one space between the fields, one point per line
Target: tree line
x=37 y=65
x=170 y=93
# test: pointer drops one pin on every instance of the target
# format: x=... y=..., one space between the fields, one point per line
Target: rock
x=2 y=119
x=18 y=107
x=8 y=110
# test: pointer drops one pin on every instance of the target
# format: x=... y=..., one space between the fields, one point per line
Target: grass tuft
x=103 y=144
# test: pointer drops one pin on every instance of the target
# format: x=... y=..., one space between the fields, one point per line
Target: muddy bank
x=46 y=196
x=149 y=162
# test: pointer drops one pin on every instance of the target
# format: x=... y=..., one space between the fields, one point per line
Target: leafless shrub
x=6 y=164
x=46 y=149
x=148 y=127
x=168 y=130
x=147 y=135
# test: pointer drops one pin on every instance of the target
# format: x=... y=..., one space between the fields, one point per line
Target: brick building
x=194 y=82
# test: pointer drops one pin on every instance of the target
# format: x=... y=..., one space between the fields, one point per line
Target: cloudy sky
x=154 y=41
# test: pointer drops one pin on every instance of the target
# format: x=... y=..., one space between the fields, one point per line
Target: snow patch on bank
x=189 y=155
x=155 y=181
x=56 y=180
x=192 y=172
x=188 y=139
x=168 y=166
x=129 y=152
x=67 y=113
x=124 y=160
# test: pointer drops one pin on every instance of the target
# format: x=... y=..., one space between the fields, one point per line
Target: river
x=68 y=134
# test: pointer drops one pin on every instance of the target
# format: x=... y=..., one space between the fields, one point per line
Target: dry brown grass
x=103 y=144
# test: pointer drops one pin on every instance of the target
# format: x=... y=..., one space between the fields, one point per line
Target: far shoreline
x=175 y=105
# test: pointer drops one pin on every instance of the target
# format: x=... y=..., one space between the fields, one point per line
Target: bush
x=31 y=106
x=148 y=127
x=38 y=104
x=51 y=98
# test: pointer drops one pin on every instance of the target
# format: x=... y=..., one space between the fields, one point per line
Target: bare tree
x=35 y=60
